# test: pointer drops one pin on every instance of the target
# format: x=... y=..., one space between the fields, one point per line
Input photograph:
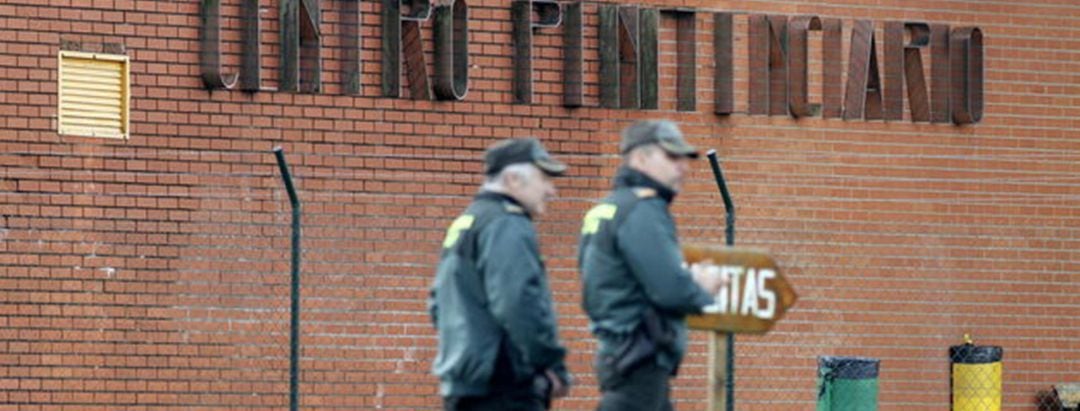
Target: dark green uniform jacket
x=630 y=260
x=491 y=299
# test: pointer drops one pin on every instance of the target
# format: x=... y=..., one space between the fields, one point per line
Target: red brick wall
x=153 y=272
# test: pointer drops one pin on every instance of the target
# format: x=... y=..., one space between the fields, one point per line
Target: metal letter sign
x=798 y=29
x=350 y=40
x=686 y=55
x=629 y=56
x=940 y=93
x=778 y=68
x=402 y=34
x=301 y=46
x=609 y=55
x=251 y=66
x=648 y=66
x=894 y=71
x=572 y=59
x=210 y=48
x=620 y=81
x=768 y=64
x=966 y=54
x=863 y=100
x=722 y=41
x=629 y=52
x=918 y=98
x=398 y=29
x=521 y=13
x=903 y=64
x=757 y=294
x=250 y=76
x=452 y=50
x=832 y=64
x=758 y=42
x=798 y=54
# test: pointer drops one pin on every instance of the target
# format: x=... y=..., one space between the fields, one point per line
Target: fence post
x=294 y=279
x=723 y=356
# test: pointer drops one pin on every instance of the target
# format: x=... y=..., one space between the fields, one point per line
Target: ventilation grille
x=94 y=94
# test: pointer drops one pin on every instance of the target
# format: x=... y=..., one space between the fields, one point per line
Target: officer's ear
x=509 y=178
x=515 y=176
x=636 y=156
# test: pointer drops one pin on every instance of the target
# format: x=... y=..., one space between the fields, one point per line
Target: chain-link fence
x=976 y=377
x=1063 y=397
x=975 y=383
x=847 y=383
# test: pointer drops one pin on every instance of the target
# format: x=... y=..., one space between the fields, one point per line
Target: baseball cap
x=664 y=133
x=521 y=150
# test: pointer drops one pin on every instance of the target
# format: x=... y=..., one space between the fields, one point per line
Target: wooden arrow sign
x=756 y=297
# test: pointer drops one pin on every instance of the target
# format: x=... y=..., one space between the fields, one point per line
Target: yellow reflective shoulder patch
x=595 y=215
x=454 y=232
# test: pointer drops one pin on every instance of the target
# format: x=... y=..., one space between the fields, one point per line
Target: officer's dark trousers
x=505 y=394
x=505 y=398
x=645 y=388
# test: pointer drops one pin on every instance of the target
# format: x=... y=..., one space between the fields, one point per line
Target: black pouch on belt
x=643 y=343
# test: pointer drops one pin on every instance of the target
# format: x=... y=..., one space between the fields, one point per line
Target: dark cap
x=520 y=150
x=663 y=133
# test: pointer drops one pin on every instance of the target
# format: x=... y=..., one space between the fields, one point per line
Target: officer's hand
x=707 y=275
x=559 y=388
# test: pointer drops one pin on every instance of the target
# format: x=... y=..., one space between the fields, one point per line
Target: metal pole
x=294 y=279
x=729 y=208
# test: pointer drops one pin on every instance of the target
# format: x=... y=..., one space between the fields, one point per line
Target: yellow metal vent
x=94 y=93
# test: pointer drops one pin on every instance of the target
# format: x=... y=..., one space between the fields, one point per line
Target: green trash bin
x=847 y=384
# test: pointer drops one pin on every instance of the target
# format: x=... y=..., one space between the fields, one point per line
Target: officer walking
x=636 y=291
x=490 y=303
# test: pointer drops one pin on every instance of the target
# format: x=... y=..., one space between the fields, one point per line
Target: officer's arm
x=517 y=291
x=647 y=240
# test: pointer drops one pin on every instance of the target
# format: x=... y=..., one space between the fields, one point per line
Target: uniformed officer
x=490 y=303
x=636 y=291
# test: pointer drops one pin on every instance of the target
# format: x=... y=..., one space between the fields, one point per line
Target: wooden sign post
x=756 y=296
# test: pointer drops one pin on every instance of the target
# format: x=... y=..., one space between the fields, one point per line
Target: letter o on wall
x=966 y=61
